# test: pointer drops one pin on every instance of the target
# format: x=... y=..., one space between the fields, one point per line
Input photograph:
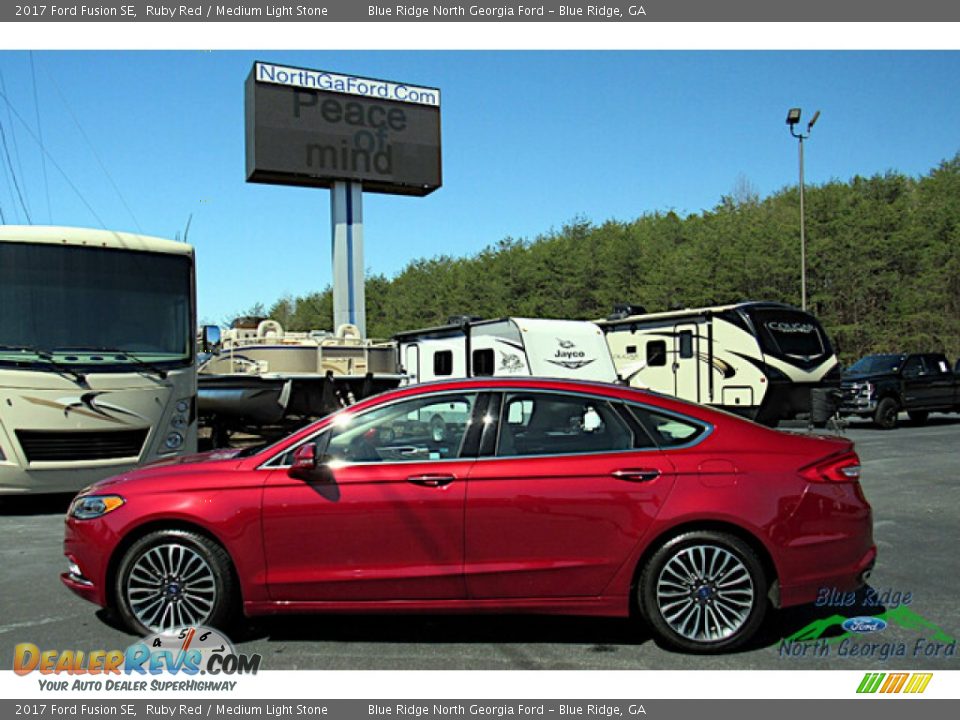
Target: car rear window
x=667 y=430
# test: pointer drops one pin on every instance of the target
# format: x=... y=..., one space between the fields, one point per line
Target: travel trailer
x=97 y=363
x=757 y=359
x=469 y=347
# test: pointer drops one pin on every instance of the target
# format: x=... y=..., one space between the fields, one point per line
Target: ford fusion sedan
x=492 y=495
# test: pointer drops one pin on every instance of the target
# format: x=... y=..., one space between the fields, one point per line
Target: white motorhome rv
x=506 y=346
x=97 y=360
x=757 y=359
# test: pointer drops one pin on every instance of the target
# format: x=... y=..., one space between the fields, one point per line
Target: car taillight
x=843 y=468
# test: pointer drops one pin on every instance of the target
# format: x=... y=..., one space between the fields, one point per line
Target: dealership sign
x=312 y=128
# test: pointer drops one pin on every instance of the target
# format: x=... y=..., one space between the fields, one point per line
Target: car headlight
x=89 y=507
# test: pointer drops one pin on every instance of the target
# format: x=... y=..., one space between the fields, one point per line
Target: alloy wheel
x=171 y=586
x=705 y=593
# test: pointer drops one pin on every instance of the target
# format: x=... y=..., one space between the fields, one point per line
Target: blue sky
x=531 y=139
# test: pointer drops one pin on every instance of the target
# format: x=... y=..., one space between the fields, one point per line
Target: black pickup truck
x=881 y=386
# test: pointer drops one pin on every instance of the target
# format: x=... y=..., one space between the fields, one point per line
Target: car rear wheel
x=886 y=413
x=704 y=592
x=174 y=578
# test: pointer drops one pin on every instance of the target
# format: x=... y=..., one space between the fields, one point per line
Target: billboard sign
x=311 y=128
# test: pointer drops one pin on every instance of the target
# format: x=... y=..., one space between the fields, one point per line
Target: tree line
x=883 y=266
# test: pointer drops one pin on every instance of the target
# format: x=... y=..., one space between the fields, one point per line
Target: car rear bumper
x=841 y=580
x=827 y=543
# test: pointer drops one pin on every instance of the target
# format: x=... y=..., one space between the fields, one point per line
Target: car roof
x=589 y=387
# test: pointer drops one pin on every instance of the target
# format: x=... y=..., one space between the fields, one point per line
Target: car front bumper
x=87 y=545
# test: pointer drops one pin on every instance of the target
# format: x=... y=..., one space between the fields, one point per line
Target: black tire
x=194 y=579
x=918 y=417
x=743 y=604
x=885 y=416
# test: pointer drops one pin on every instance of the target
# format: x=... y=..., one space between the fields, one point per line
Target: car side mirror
x=304 y=461
x=210 y=339
x=310 y=459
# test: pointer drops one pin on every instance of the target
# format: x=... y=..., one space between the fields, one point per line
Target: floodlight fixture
x=793 y=119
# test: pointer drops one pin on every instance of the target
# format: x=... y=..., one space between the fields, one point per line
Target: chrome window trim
x=628 y=451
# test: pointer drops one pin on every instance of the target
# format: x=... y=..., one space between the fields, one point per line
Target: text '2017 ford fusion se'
x=487 y=495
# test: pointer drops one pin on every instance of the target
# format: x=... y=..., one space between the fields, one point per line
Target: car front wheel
x=174 y=578
x=704 y=592
x=885 y=416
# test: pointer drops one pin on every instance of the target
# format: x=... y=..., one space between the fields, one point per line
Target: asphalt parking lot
x=911 y=477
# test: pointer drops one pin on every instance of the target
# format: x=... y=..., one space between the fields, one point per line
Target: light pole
x=793 y=118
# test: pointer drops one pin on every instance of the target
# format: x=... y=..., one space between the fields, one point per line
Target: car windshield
x=93 y=306
x=876 y=364
x=789 y=332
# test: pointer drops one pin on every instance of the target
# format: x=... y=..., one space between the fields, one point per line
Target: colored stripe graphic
x=914 y=683
x=918 y=683
x=870 y=682
x=894 y=683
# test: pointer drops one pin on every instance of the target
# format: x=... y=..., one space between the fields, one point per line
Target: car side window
x=556 y=424
x=936 y=364
x=430 y=428
x=667 y=430
x=913 y=367
x=418 y=430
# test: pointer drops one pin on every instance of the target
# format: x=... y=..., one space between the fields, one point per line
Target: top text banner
x=481 y=11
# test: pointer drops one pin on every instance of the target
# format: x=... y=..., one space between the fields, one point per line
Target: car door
x=686 y=362
x=916 y=384
x=559 y=498
x=941 y=381
x=383 y=520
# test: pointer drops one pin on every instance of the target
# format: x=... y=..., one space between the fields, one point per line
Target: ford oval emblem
x=864 y=624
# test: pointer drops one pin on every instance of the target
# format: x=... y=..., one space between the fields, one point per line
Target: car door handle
x=636 y=474
x=431 y=480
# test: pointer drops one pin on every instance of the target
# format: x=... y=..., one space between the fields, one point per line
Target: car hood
x=850 y=378
x=187 y=472
x=195 y=458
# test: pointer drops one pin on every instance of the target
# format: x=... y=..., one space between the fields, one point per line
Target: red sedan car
x=488 y=495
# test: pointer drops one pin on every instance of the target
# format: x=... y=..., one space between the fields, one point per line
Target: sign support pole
x=346 y=221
